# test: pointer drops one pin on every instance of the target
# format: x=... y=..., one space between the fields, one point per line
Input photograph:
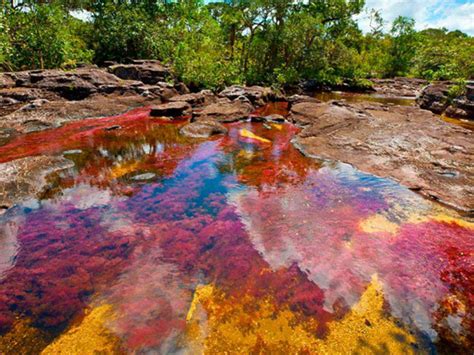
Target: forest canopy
x=213 y=44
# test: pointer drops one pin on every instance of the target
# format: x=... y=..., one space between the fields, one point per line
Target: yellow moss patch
x=219 y=324
x=378 y=224
x=91 y=336
x=23 y=339
x=247 y=134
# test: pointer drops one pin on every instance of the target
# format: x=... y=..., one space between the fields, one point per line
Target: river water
x=156 y=243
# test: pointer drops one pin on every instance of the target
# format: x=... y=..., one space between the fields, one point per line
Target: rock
x=31 y=126
x=470 y=92
x=269 y=118
x=404 y=143
x=6 y=81
x=274 y=118
x=257 y=95
x=399 y=87
x=144 y=177
x=224 y=112
x=306 y=113
x=203 y=129
x=182 y=88
x=34 y=104
x=72 y=152
x=148 y=72
x=171 y=109
x=7 y=134
x=204 y=97
x=21 y=94
x=296 y=99
x=8 y=101
x=112 y=128
x=434 y=98
x=25 y=178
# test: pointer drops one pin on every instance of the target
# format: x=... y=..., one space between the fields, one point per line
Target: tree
x=403 y=45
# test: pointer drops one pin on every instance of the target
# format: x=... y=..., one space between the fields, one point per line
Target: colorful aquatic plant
x=228 y=233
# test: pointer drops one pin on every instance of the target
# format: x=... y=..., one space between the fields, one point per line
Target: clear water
x=158 y=243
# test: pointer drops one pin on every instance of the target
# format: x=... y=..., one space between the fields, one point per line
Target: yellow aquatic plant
x=221 y=324
x=247 y=134
x=91 y=336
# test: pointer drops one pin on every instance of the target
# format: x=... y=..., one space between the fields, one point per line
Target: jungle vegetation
x=213 y=44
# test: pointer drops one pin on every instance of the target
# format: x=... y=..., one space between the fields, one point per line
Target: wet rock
x=408 y=144
x=224 y=111
x=434 y=98
x=257 y=95
x=203 y=129
x=148 y=72
x=171 y=109
x=24 y=178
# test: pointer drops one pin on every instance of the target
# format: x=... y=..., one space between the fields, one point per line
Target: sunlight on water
x=156 y=242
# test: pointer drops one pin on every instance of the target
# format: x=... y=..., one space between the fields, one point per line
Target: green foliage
x=456 y=90
x=213 y=44
x=41 y=36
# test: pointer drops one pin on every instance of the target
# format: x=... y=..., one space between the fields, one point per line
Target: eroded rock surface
x=408 y=144
x=24 y=178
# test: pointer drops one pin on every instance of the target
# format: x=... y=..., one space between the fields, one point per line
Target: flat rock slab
x=408 y=144
x=203 y=129
x=23 y=178
x=171 y=109
x=230 y=111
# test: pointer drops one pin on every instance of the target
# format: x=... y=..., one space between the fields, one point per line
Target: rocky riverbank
x=408 y=144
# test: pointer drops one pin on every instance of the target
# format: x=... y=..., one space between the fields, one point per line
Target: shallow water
x=156 y=242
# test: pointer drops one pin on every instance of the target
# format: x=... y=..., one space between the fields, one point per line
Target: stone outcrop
x=408 y=144
x=399 y=87
x=147 y=71
x=435 y=97
x=224 y=111
x=171 y=109
x=203 y=129
x=257 y=95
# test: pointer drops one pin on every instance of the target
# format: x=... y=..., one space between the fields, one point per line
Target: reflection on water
x=155 y=242
x=358 y=97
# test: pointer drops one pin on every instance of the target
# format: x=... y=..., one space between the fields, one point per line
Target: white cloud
x=427 y=13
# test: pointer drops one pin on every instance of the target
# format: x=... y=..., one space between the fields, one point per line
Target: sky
x=452 y=14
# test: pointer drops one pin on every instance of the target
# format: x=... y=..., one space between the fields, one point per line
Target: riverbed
x=152 y=241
